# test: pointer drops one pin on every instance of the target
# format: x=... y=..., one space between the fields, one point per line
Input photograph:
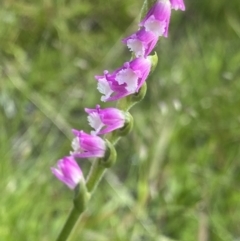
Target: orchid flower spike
x=86 y=146
x=68 y=172
x=158 y=18
x=110 y=118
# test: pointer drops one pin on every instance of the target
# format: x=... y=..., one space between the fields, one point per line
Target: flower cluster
x=115 y=85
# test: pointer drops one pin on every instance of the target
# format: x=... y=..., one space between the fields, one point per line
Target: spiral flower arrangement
x=127 y=85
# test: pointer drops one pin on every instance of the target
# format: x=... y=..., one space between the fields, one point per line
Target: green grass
x=177 y=174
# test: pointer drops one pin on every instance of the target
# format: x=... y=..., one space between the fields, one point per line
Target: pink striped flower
x=177 y=4
x=86 y=146
x=158 y=18
x=141 y=43
x=68 y=171
x=124 y=81
x=105 y=120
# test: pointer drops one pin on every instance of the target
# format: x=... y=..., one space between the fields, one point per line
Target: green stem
x=79 y=205
x=95 y=175
x=144 y=9
x=74 y=215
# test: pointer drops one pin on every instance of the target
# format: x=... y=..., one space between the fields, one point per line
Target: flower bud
x=68 y=172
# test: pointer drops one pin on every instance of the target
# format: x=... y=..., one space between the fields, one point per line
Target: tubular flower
x=177 y=4
x=141 y=43
x=68 y=172
x=87 y=146
x=108 y=87
x=110 y=118
x=158 y=18
x=124 y=81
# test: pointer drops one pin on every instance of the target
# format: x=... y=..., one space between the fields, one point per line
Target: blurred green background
x=177 y=175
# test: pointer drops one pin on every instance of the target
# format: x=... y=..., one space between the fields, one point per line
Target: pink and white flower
x=86 y=146
x=110 y=89
x=68 y=171
x=158 y=18
x=124 y=81
x=141 y=43
x=105 y=120
x=177 y=4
